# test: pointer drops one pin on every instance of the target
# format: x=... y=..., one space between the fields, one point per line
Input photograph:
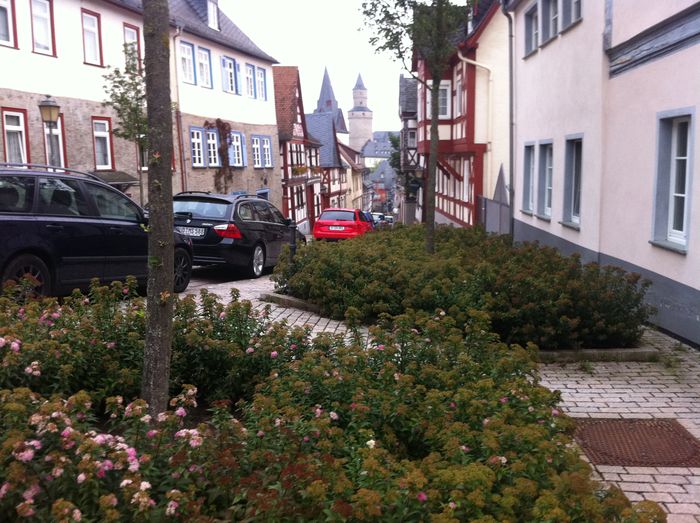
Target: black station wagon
x=66 y=227
x=240 y=230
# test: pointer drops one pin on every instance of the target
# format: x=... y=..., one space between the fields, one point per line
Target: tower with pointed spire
x=328 y=104
x=359 y=117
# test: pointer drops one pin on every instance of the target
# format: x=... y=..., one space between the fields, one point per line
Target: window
x=255 y=146
x=267 y=151
x=42 y=26
x=545 y=180
x=458 y=97
x=102 y=139
x=53 y=141
x=61 y=197
x=132 y=40
x=236 y=150
x=550 y=24
x=532 y=35
x=187 y=63
x=571 y=12
x=250 y=80
x=213 y=149
x=261 y=83
x=92 y=39
x=443 y=101
x=672 y=209
x=112 y=204
x=412 y=144
x=212 y=15
x=204 y=67
x=572 y=181
x=16 y=194
x=229 y=75
x=196 y=145
x=16 y=145
x=7 y=23
x=529 y=178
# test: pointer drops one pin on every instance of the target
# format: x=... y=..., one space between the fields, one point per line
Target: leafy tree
x=126 y=92
x=159 y=302
x=428 y=29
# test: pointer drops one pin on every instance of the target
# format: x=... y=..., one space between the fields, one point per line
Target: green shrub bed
x=531 y=293
x=435 y=420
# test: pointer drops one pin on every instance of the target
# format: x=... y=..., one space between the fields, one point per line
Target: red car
x=341 y=224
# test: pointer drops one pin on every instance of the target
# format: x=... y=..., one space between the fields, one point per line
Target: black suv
x=66 y=227
x=235 y=229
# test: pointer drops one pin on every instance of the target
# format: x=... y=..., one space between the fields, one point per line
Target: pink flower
x=110 y=345
x=125 y=290
x=555 y=412
x=422 y=497
x=2 y=342
x=81 y=477
x=14 y=346
x=77 y=515
x=171 y=508
x=261 y=433
x=380 y=347
x=464 y=448
x=250 y=350
x=181 y=412
x=4 y=489
x=503 y=400
x=25 y=455
x=293 y=346
x=151 y=433
x=222 y=315
x=318 y=411
x=273 y=354
x=452 y=505
x=453 y=405
x=334 y=416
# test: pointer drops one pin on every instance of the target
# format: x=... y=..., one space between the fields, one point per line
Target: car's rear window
x=212 y=209
x=16 y=194
x=341 y=216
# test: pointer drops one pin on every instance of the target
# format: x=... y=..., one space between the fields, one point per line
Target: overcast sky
x=313 y=34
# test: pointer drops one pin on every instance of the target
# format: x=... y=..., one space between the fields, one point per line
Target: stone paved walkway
x=669 y=388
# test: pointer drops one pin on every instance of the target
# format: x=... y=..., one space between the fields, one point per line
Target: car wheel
x=183 y=270
x=257 y=261
x=28 y=264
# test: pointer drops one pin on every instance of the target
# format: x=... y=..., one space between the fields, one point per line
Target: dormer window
x=213 y=14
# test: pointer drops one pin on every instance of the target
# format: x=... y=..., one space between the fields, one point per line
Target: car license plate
x=191 y=231
x=336 y=228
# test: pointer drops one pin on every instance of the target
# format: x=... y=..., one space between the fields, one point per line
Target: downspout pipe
x=489 y=109
x=511 y=117
x=178 y=114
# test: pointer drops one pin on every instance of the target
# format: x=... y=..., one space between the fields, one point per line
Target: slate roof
x=286 y=80
x=191 y=15
x=328 y=104
x=408 y=96
x=383 y=168
x=359 y=84
x=379 y=146
x=321 y=127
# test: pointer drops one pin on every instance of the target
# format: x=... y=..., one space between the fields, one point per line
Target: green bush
x=431 y=422
x=531 y=293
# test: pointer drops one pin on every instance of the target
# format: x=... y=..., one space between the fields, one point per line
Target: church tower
x=359 y=117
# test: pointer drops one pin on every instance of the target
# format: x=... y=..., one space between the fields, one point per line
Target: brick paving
x=668 y=388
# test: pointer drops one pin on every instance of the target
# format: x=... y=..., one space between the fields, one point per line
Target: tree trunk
x=159 y=305
x=429 y=204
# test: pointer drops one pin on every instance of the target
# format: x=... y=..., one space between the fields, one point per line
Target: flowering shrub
x=531 y=293
x=431 y=422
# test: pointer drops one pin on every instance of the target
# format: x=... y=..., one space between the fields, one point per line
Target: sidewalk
x=666 y=389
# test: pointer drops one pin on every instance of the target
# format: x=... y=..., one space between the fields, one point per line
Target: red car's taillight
x=228 y=230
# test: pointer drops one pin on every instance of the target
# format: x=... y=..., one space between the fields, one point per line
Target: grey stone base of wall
x=677 y=305
x=566 y=356
x=289 y=301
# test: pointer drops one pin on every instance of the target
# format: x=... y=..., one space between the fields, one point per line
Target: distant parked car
x=369 y=217
x=378 y=218
x=389 y=220
x=66 y=227
x=341 y=224
x=240 y=230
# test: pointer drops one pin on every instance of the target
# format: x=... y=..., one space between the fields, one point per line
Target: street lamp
x=50 y=110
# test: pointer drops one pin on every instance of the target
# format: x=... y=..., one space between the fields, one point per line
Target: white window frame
x=444 y=100
x=213 y=148
x=212 y=15
x=56 y=131
x=412 y=142
x=550 y=19
x=187 y=67
x=197 y=146
x=532 y=30
x=236 y=155
x=204 y=67
x=42 y=27
x=21 y=130
x=228 y=66
x=571 y=12
x=257 y=152
x=107 y=136
x=267 y=151
x=132 y=37
x=573 y=180
x=91 y=34
x=677 y=194
x=261 y=83
x=546 y=175
x=250 y=80
x=458 y=97
x=8 y=7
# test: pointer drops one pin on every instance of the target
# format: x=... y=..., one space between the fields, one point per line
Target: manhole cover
x=637 y=443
